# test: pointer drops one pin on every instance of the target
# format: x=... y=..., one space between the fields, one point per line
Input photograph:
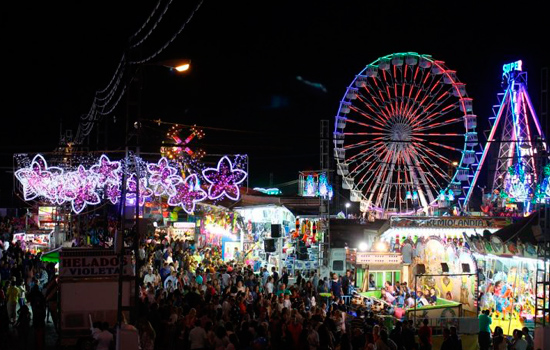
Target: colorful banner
x=450 y=222
x=495 y=246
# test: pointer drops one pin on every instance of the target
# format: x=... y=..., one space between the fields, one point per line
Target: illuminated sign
x=187 y=225
x=509 y=67
x=450 y=222
x=268 y=191
x=370 y=258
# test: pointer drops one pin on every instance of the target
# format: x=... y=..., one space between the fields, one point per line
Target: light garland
x=88 y=185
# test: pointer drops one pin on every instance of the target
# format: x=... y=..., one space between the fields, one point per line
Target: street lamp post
x=347 y=206
x=180 y=66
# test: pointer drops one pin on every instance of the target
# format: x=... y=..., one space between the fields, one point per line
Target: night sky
x=246 y=60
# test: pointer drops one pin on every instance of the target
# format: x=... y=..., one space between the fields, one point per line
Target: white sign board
x=370 y=258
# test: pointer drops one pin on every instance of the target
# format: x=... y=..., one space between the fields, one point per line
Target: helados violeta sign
x=93 y=263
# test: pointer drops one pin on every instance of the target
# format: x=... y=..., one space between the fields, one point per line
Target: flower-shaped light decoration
x=80 y=188
x=107 y=171
x=112 y=192
x=39 y=180
x=163 y=177
x=144 y=191
x=224 y=180
x=187 y=193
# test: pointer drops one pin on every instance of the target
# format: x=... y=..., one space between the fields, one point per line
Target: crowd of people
x=521 y=338
x=191 y=299
x=26 y=296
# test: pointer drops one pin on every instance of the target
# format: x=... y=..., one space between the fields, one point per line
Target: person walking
x=484 y=336
x=528 y=338
x=425 y=336
x=518 y=343
x=12 y=296
x=197 y=337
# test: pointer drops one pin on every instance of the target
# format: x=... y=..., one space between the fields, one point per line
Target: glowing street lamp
x=179 y=65
x=347 y=206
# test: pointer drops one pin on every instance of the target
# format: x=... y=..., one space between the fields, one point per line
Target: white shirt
x=287 y=303
x=174 y=282
x=149 y=278
x=269 y=287
x=197 y=337
x=104 y=339
x=520 y=344
x=225 y=279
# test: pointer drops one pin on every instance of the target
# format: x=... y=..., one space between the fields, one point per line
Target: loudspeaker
x=275 y=230
x=269 y=245
x=444 y=267
x=465 y=267
x=420 y=269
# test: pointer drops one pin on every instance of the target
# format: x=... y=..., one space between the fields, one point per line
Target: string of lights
x=149 y=58
x=147 y=20
x=154 y=26
x=104 y=102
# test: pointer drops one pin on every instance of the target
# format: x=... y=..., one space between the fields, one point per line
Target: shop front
x=266 y=239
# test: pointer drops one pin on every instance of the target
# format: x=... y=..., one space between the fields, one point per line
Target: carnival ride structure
x=518 y=177
x=405 y=137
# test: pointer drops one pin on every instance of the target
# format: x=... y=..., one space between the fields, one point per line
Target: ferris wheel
x=405 y=137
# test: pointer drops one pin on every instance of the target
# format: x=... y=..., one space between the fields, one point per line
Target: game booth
x=507 y=271
x=431 y=255
x=462 y=260
x=220 y=228
x=377 y=267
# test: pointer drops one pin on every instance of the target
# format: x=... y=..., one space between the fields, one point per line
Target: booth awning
x=523 y=229
x=51 y=256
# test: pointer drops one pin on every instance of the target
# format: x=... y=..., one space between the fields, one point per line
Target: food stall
x=184 y=231
x=35 y=240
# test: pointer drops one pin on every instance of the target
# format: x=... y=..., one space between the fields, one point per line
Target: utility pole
x=324 y=209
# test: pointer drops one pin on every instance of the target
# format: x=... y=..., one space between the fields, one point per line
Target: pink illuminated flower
x=107 y=171
x=224 y=180
x=80 y=188
x=112 y=192
x=39 y=180
x=144 y=191
x=163 y=177
x=187 y=193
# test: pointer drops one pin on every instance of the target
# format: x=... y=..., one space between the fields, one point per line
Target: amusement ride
x=405 y=137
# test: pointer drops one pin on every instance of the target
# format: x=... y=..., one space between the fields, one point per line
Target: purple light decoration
x=144 y=191
x=80 y=188
x=224 y=180
x=86 y=186
x=187 y=193
x=107 y=171
x=163 y=177
x=39 y=180
x=112 y=192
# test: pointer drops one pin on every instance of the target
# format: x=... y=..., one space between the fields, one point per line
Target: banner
x=450 y=222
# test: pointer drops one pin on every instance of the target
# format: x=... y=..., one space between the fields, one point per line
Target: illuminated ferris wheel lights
x=403 y=101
